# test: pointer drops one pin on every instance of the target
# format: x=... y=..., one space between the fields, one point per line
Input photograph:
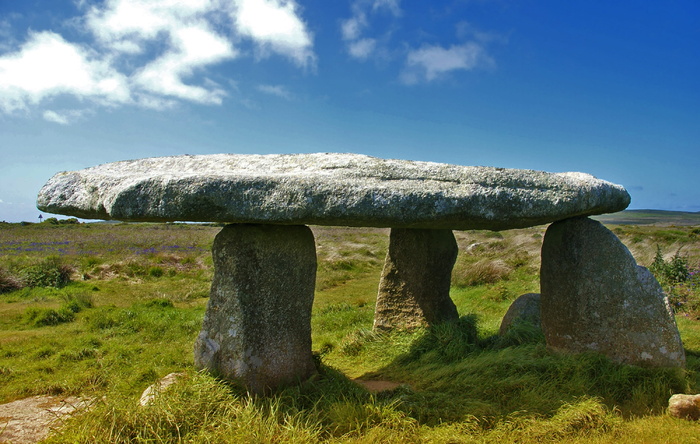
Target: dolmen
x=257 y=327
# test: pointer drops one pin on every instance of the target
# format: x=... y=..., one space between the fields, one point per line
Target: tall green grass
x=137 y=307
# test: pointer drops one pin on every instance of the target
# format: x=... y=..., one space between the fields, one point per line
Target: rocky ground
x=30 y=420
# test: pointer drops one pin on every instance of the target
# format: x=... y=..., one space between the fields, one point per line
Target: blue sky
x=607 y=88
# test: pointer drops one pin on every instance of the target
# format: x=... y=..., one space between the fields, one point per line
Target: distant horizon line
x=62 y=217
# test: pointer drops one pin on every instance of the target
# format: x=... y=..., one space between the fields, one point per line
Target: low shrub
x=670 y=272
x=9 y=282
x=156 y=272
x=51 y=272
x=680 y=282
x=55 y=221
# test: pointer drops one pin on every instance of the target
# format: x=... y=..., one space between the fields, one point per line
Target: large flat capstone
x=326 y=189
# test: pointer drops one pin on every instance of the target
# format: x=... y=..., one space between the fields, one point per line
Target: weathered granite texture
x=414 y=289
x=257 y=327
x=594 y=297
x=326 y=189
x=526 y=308
x=684 y=407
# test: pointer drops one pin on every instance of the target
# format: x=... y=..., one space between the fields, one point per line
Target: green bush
x=681 y=284
x=55 y=221
x=156 y=272
x=50 y=272
x=672 y=272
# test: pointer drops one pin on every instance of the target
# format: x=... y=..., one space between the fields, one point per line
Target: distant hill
x=650 y=217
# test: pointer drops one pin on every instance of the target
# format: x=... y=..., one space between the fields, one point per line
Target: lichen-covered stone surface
x=414 y=289
x=326 y=189
x=257 y=327
x=594 y=297
x=526 y=308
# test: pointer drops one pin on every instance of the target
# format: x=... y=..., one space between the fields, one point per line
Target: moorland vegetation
x=104 y=310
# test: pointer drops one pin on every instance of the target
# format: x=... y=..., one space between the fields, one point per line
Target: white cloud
x=353 y=28
x=55 y=117
x=193 y=48
x=430 y=62
x=275 y=26
x=390 y=5
x=250 y=104
x=64 y=117
x=127 y=27
x=362 y=49
x=47 y=65
x=5 y=35
x=150 y=53
x=276 y=90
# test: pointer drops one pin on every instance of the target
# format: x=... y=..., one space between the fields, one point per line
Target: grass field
x=104 y=310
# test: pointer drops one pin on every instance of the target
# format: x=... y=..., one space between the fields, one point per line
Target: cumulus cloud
x=47 y=66
x=431 y=62
x=353 y=29
x=274 y=25
x=193 y=47
x=276 y=90
x=150 y=53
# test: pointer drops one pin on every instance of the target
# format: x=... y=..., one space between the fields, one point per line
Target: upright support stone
x=257 y=327
x=415 y=285
x=596 y=298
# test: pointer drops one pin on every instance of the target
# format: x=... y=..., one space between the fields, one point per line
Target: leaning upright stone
x=257 y=328
x=596 y=298
x=415 y=286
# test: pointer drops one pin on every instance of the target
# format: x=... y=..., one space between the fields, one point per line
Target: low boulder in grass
x=684 y=406
x=526 y=308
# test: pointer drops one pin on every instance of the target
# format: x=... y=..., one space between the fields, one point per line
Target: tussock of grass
x=479 y=273
x=41 y=317
x=8 y=281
